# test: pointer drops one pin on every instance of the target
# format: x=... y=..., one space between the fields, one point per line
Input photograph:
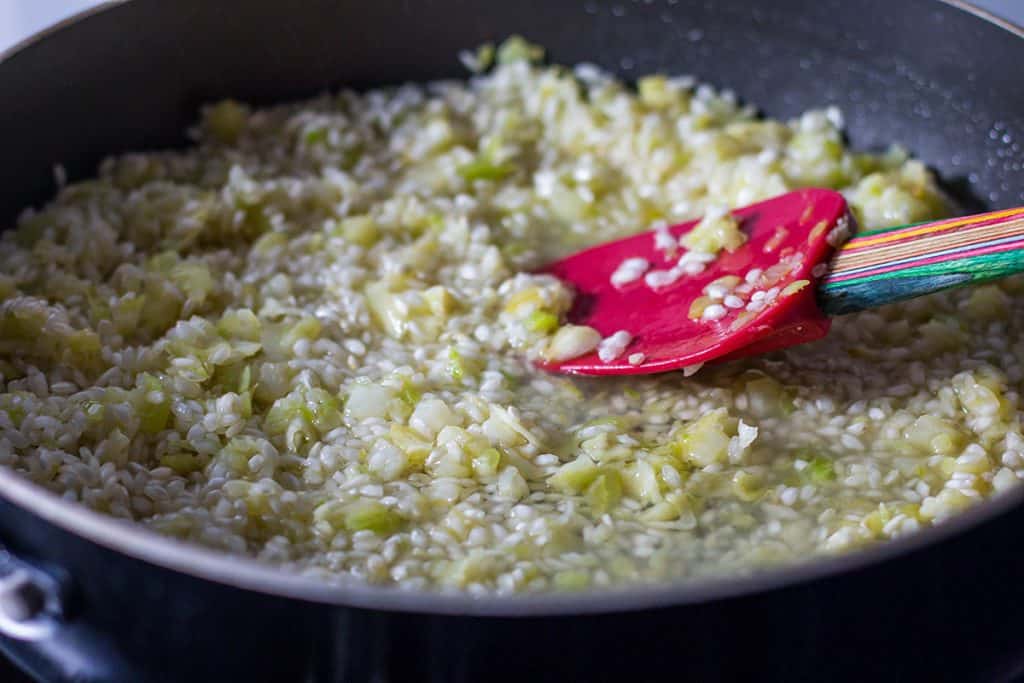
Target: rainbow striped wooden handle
x=883 y=266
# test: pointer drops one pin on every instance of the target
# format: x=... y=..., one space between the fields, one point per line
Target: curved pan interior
x=930 y=75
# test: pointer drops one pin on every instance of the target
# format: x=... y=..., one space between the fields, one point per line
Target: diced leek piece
x=414 y=445
x=361 y=230
x=163 y=262
x=183 y=463
x=94 y=412
x=371 y=516
x=85 y=348
x=440 y=300
x=541 y=321
x=386 y=461
x=512 y=485
x=705 y=441
x=819 y=470
x=315 y=136
x=385 y=309
x=482 y=168
x=456 y=367
x=605 y=491
x=154 y=405
x=529 y=298
x=194 y=279
x=308 y=327
x=367 y=400
x=409 y=393
x=572 y=580
x=322 y=409
x=518 y=49
x=568 y=205
x=655 y=91
x=716 y=231
x=481 y=59
x=747 y=486
x=486 y=463
x=268 y=242
x=766 y=397
x=127 y=314
x=575 y=476
x=934 y=435
x=226 y=120
x=240 y=323
x=477 y=566
x=236 y=454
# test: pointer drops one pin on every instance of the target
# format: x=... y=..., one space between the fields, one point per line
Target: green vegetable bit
x=484 y=169
x=820 y=470
x=518 y=49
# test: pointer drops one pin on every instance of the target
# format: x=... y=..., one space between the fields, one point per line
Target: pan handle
x=32 y=599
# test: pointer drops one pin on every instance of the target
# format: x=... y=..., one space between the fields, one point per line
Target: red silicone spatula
x=776 y=290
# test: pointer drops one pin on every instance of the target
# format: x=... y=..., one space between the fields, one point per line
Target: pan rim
x=246 y=573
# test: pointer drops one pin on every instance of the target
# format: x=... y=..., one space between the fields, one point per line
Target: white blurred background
x=21 y=18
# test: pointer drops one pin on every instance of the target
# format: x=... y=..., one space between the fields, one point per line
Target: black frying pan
x=86 y=598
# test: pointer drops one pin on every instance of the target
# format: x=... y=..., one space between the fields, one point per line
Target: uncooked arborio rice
x=306 y=339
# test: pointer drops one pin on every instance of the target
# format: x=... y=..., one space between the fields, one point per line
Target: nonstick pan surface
x=931 y=75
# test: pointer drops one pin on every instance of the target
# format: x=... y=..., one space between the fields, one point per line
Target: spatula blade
x=787 y=237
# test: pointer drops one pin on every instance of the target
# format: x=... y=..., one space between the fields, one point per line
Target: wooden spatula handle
x=883 y=266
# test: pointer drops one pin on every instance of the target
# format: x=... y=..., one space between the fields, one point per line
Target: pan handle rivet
x=24 y=607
